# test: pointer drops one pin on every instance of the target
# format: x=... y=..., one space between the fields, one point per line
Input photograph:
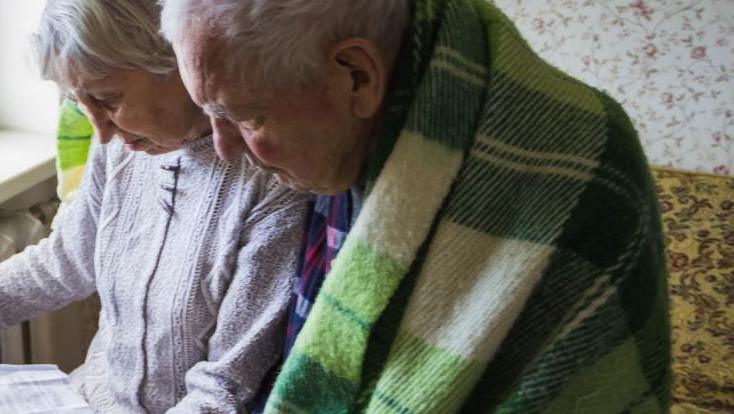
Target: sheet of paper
x=38 y=389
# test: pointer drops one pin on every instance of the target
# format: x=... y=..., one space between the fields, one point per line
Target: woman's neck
x=200 y=127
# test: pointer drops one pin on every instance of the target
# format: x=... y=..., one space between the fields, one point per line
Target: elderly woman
x=192 y=257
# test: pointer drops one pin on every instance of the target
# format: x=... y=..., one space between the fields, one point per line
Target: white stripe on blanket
x=398 y=213
x=471 y=273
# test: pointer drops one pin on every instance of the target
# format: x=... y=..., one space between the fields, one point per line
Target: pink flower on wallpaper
x=650 y=50
x=641 y=8
x=699 y=52
x=668 y=60
x=721 y=169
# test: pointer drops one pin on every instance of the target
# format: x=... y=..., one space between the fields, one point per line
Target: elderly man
x=487 y=227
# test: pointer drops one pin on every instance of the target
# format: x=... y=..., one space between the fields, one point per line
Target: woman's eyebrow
x=70 y=94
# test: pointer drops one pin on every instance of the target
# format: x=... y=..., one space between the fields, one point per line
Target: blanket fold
x=508 y=257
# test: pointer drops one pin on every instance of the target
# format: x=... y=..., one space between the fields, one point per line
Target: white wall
x=26 y=102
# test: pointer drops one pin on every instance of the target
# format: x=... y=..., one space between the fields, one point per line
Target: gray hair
x=95 y=37
x=288 y=38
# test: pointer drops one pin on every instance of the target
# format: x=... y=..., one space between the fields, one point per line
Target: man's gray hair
x=288 y=38
x=95 y=37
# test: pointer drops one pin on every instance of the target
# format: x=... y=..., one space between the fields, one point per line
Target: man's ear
x=361 y=63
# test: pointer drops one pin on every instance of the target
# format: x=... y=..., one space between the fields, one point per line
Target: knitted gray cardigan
x=193 y=260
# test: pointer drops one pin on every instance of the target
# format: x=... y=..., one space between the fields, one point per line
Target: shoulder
x=617 y=210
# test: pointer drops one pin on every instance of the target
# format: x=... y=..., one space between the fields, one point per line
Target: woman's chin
x=147 y=148
x=158 y=151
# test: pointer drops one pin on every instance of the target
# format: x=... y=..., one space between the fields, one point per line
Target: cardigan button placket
x=166 y=200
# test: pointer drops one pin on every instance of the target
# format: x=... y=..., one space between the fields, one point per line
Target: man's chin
x=291 y=183
x=304 y=187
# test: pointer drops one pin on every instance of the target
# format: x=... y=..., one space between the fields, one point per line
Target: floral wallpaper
x=669 y=62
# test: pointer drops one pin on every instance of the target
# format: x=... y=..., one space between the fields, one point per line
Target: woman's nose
x=228 y=142
x=106 y=129
x=103 y=125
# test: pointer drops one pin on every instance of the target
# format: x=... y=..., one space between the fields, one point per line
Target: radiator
x=19 y=229
x=60 y=337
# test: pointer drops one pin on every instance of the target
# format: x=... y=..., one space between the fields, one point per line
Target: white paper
x=38 y=389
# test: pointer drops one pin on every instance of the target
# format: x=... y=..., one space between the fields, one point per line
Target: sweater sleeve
x=251 y=323
x=60 y=269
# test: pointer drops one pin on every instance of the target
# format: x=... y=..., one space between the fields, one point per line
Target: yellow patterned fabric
x=698 y=217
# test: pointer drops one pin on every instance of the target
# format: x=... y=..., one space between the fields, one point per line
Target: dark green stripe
x=74 y=138
x=537 y=122
x=410 y=68
x=348 y=313
x=312 y=389
x=391 y=403
x=448 y=107
x=602 y=227
x=511 y=204
x=614 y=207
x=643 y=292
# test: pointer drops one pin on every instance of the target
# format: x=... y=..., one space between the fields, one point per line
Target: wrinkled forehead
x=75 y=79
x=203 y=66
x=68 y=73
x=212 y=79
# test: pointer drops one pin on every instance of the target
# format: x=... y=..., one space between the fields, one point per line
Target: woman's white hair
x=94 y=37
x=288 y=38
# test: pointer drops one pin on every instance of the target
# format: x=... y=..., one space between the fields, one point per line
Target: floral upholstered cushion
x=698 y=223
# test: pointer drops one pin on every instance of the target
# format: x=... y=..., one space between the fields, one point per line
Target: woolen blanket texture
x=508 y=257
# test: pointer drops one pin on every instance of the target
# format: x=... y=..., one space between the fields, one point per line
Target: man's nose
x=228 y=141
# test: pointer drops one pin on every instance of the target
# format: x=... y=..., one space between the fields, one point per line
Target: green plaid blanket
x=73 y=138
x=508 y=257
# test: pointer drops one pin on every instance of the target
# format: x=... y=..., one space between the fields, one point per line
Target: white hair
x=95 y=37
x=289 y=38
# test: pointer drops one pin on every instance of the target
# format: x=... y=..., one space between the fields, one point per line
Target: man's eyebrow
x=251 y=107
x=219 y=111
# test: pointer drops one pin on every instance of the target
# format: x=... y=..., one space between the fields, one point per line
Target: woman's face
x=148 y=112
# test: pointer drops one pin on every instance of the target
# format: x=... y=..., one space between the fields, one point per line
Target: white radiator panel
x=60 y=337
x=12 y=343
x=19 y=229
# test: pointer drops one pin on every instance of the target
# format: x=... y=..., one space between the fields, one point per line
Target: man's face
x=308 y=137
x=146 y=111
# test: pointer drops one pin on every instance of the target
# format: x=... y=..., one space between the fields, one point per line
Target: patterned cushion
x=698 y=220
